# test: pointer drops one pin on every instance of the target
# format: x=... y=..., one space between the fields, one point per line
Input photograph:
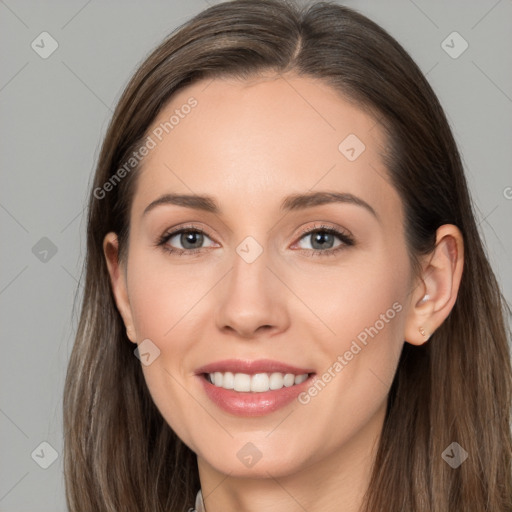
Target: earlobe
x=424 y=333
x=434 y=298
x=118 y=283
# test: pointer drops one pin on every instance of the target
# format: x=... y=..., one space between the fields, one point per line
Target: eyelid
x=327 y=227
x=187 y=227
x=343 y=234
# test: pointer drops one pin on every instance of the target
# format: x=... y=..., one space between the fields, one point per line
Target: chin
x=251 y=461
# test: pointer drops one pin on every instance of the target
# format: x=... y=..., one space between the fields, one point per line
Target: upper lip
x=251 y=367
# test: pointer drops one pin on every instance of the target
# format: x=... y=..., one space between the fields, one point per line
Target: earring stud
x=423 y=333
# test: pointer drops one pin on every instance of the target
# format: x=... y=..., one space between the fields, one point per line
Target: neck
x=336 y=483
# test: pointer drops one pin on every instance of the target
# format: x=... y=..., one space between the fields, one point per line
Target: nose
x=251 y=298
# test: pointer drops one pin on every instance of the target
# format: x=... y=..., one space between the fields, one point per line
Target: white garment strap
x=199 y=502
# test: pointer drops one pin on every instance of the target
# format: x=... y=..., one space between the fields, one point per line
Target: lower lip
x=252 y=404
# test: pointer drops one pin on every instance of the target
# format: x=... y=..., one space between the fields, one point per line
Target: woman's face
x=251 y=280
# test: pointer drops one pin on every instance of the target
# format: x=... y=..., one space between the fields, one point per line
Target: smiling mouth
x=255 y=383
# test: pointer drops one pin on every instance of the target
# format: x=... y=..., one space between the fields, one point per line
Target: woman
x=334 y=338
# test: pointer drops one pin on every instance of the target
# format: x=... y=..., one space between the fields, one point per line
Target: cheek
x=365 y=291
x=163 y=294
x=358 y=362
x=166 y=301
x=163 y=314
x=364 y=309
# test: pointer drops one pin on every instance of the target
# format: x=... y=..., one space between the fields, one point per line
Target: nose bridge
x=250 y=250
x=250 y=263
x=251 y=298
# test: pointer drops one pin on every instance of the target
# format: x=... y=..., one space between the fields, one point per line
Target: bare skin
x=249 y=145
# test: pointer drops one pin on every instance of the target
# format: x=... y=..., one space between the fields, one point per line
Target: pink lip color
x=250 y=404
x=251 y=367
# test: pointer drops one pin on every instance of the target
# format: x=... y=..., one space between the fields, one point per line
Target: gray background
x=54 y=113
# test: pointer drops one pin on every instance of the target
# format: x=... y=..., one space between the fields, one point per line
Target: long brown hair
x=121 y=455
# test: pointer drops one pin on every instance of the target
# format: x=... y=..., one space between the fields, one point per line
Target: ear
x=118 y=281
x=435 y=291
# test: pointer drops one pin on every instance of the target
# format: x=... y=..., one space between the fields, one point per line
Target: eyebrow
x=290 y=203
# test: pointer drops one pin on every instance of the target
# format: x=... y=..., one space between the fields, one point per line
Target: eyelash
x=346 y=239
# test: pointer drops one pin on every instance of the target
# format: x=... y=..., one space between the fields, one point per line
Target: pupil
x=320 y=237
x=189 y=238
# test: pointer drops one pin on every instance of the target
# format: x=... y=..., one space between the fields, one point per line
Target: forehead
x=255 y=141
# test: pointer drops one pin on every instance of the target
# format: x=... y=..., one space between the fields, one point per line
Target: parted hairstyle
x=119 y=452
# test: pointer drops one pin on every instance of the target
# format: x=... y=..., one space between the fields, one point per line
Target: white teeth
x=217 y=378
x=276 y=381
x=228 y=381
x=257 y=383
x=242 y=382
x=299 y=379
x=289 y=380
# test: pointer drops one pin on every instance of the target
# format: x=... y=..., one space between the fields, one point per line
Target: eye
x=322 y=239
x=190 y=238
